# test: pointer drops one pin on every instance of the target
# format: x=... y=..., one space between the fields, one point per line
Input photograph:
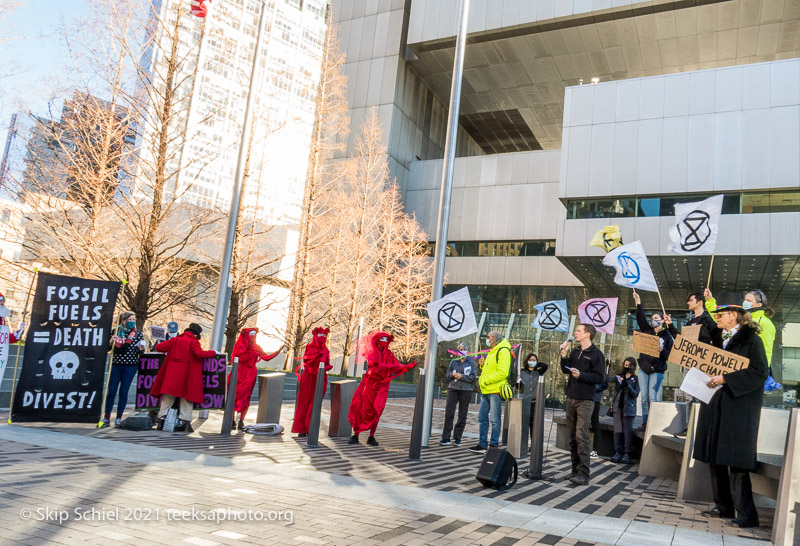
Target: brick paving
x=615 y=491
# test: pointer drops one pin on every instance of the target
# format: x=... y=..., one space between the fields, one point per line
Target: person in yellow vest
x=755 y=302
x=495 y=367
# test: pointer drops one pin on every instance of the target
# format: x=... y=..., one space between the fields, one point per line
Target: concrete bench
x=606 y=431
x=776 y=476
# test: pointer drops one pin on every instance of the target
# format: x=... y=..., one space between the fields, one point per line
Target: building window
x=646 y=207
x=466 y=249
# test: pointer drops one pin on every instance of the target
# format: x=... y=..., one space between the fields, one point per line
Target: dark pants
x=596 y=426
x=461 y=398
x=731 y=489
x=623 y=433
x=579 y=415
x=120 y=378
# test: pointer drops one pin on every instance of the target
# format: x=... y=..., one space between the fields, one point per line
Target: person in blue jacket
x=624 y=409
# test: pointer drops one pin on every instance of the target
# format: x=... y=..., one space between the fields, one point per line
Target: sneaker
x=571 y=475
x=477 y=449
x=117 y=422
x=594 y=455
x=457 y=443
x=616 y=458
x=371 y=441
x=626 y=459
x=444 y=442
x=579 y=479
x=353 y=439
x=104 y=423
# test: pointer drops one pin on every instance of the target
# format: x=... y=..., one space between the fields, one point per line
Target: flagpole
x=710 y=269
x=663 y=311
x=444 y=216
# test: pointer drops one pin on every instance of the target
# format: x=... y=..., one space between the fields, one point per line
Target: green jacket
x=767 y=333
x=495 y=368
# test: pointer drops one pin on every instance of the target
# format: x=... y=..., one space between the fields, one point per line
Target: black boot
x=160 y=425
x=241 y=424
x=353 y=439
x=372 y=441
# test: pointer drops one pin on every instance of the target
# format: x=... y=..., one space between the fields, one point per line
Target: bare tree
x=318 y=227
x=118 y=162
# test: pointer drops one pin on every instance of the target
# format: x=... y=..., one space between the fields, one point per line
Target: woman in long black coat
x=727 y=428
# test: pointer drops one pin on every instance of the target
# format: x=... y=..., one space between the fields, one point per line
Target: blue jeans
x=120 y=378
x=490 y=411
x=650 y=384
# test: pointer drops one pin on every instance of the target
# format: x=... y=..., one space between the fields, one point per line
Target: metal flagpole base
x=230 y=399
x=537 y=440
x=316 y=409
x=415 y=448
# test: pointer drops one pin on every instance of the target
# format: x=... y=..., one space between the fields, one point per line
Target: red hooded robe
x=248 y=352
x=370 y=397
x=181 y=374
x=316 y=352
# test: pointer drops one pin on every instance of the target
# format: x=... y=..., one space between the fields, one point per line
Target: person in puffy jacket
x=460 y=378
x=181 y=375
x=755 y=302
x=626 y=391
x=652 y=367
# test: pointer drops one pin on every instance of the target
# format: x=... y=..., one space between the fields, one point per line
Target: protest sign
x=709 y=360
x=158 y=333
x=646 y=344
x=213 y=381
x=692 y=333
x=66 y=349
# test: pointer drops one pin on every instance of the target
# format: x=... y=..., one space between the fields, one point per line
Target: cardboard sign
x=646 y=344
x=709 y=360
x=692 y=333
x=158 y=333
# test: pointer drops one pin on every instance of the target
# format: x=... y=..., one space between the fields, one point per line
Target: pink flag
x=600 y=312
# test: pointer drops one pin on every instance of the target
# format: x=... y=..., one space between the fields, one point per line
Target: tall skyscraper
x=221 y=47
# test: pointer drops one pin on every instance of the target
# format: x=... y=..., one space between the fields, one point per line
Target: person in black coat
x=626 y=391
x=727 y=427
x=527 y=381
x=652 y=367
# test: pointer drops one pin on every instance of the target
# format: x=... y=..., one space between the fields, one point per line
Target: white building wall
x=438 y=19
x=725 y=129
x=504 y=197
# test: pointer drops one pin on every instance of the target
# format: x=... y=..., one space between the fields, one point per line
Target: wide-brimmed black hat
x=196 y=329
x=730 y=301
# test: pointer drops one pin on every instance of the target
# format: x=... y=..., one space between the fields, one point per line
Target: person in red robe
x=370 y=397
x=315 y=353
x=248 y=352
x=181 y=375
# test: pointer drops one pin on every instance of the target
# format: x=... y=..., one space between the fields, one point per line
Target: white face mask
x=488 y=342
x=747 y=304
x=531 y=363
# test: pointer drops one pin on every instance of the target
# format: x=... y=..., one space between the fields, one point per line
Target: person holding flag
x=652 y=367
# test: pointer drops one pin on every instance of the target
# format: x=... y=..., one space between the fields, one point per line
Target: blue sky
x=37 y=56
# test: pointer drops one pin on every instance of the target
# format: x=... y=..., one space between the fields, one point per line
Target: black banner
x=213 y=381
x=66 y=349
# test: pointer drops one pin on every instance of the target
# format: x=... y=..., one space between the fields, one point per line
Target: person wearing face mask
x=370 y=397
x=599 y=389
x=652 y=367
x=494 y=374
x=626 y=391
x=127 y=344
x=727 y=427
x=755 y=302
x=528 y=379
x=316 y=352
x=249 y=352
x=460 y=378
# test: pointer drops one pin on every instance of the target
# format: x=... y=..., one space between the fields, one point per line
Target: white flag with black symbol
x=452 y=316
x=696 y=227
x=633 y=269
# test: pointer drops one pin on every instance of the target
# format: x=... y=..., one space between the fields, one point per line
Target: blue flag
x=552 y=316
